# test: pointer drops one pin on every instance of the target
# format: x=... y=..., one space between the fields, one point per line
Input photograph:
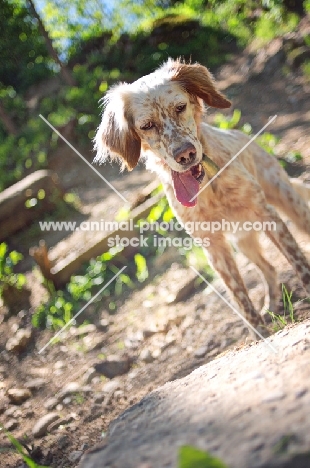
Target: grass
x=22 y=450
x=281 y=321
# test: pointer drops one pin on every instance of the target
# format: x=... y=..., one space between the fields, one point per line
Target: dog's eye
x=180 y=108
x=147 y=126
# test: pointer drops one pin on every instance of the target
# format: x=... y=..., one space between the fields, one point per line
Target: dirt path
x=248 y=417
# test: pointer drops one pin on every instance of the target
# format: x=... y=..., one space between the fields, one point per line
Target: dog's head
x=160 y=113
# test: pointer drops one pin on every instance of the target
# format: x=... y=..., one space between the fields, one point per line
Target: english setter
x=159 y=118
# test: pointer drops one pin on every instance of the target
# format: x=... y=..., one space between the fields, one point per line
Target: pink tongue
x=185 y=187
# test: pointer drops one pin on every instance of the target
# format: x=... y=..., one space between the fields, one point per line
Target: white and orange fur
x=158 y=118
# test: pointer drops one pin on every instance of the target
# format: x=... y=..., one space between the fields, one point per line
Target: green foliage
x=24 y=152
x=20 y=449
x=191 y=457
x=268 y=142
x=293 y=157
x=8 y=260
x=104 y=44
x=142 y=270
x=227 y=123
x=306 y=68
x=274 y=22
x=287 y=303
x=63 y=304
x=24 y=57
x=73 y=22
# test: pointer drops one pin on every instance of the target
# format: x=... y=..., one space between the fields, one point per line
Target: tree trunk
x=8 y=123
x=63 y=68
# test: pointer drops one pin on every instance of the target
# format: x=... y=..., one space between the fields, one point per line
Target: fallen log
x=60 y=271
x=27 y=200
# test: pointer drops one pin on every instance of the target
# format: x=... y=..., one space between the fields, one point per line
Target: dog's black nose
x=185 y=154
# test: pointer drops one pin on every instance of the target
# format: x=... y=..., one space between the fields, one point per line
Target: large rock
x=249 y=407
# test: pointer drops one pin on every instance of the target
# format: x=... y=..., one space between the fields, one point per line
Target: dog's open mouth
x=186 y=184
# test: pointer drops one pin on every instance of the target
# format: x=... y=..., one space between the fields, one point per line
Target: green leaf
x=21 y=451
x=142 y=271
x=191 y=457
x=3 y=249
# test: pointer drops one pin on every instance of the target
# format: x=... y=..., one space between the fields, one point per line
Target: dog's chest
x=221 y=208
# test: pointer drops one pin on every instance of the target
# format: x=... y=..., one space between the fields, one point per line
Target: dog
x=159 y=119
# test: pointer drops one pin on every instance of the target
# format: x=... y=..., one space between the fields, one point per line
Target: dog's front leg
x=221 y=257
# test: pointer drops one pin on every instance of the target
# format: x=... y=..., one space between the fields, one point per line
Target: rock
x=218 y=409
x=111 y=386
x=146 y=356
x=60 y=422
x=91 y=342
x=11 y=411
x=11 y=424
x=89 y=375
x=19 y=341
x=99 y=397
x=203 y=350
x=113 y=367
x=148 y=332
x=75 y=456
x=84 y=329
x=74 y=387
x=103 y=324
x=18 y=395
x=59 y=365
x=35 y=384
x=71 y=387
x=40 y=428
x=40 y=371
x=118 y=394
x=51 y=403
x=67 y=401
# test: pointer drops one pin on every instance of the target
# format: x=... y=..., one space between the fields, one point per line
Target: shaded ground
x=164 y=341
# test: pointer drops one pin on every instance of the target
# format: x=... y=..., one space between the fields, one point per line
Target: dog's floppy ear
x=116 y=137
x=198 y=81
